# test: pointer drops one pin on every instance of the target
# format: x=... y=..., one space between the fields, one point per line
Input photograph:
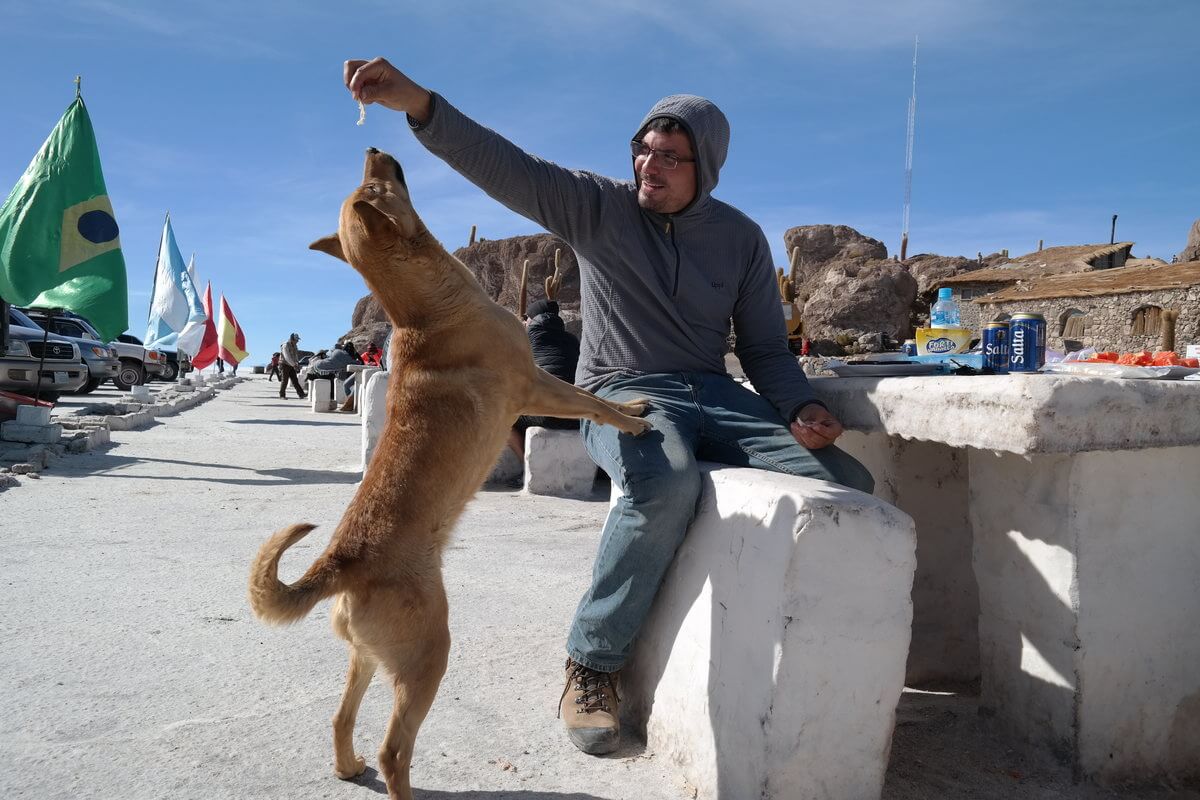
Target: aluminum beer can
x=910 y=347
x=1026 y=342
x=995 y=347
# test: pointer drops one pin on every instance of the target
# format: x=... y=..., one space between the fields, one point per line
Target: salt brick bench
x=321 y=394
x=556 y=464
x=773 y=657
x=555 y=460
x=373 y=399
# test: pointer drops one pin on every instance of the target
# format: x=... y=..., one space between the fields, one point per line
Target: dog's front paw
x=635 y=408
x=635 y=425
x=360 y=766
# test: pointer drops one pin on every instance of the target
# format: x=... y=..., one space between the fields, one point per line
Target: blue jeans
x=695 y=416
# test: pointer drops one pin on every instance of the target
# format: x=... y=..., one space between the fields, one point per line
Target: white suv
x=138 y=362
x=32 y=352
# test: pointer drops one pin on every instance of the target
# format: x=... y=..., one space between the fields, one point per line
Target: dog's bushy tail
x=278 y=603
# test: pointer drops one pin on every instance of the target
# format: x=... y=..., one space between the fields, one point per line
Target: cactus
x=787 y=286
x=523 y=294
x=554 y=282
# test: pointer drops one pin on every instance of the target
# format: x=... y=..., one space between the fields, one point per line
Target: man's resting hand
x=814 y=427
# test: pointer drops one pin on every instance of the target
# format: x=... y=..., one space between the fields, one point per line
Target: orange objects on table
x=1159 y=358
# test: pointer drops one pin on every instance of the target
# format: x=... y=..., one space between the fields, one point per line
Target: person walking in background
x=273 y=368
x=289 y=362
x=220 y=366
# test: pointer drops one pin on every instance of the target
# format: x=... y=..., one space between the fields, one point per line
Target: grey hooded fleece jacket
x=658 y=292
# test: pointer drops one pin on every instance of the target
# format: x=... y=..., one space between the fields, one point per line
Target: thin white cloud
x=719 y=26
x=202 y=28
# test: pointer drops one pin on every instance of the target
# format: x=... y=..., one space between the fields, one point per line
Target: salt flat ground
x=131 y=666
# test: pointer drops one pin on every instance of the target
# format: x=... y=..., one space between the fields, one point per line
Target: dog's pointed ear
x=329 y=244
x=376 y=222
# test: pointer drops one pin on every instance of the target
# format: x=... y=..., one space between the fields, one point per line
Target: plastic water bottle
x=944 y=313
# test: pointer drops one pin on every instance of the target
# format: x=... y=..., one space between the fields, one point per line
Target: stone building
x=1050 y=261
x=1116 y=309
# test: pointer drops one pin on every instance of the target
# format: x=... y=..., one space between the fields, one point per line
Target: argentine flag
x=176 y=314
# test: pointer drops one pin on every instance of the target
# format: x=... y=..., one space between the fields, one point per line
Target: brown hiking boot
x=348 y=405
x=588 y=707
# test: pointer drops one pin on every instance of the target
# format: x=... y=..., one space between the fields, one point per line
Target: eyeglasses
x=667 y=159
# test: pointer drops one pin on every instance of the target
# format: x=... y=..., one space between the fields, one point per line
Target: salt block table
x=1058 y=552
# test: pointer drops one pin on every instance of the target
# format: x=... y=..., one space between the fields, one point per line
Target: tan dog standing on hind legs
x=463 y=371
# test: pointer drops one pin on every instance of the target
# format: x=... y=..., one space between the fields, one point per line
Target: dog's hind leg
x=346 y=764
x=417 y=672
x=550 y=397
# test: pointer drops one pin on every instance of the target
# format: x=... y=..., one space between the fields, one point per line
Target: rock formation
x=820 y=245
x=497 y=265
x=1192 y=251
x=928 y=269
x=856 y=300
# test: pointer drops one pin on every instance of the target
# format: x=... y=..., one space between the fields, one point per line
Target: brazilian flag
x=59 y=244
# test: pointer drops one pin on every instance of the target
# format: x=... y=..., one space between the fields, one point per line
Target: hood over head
x=539 y=307
x=708 y=129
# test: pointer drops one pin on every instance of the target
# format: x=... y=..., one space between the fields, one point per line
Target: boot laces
x=591 y=685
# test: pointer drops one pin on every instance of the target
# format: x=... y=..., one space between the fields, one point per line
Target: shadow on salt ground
x=370 y=779
x=355 y=422
x=292 y=404
x=501 y=794
x=113 y=466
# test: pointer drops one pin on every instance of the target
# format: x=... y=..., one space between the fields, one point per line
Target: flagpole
x=78 y=86
x=154 y=284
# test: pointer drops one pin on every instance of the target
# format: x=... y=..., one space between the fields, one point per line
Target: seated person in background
x=372 y=355
x=333 y=365
x=555 y=350
x=307 y=363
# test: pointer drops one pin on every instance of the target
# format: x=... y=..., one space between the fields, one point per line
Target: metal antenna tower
x=908 y=153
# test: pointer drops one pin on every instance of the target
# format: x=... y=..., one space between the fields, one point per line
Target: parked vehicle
x=31 y=351
x=138 y=362
x=177 y=363
x=100 y=358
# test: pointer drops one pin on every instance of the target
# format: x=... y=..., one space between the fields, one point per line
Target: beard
x=659 y=205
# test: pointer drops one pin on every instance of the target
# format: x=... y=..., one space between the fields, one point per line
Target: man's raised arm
x=565 y=202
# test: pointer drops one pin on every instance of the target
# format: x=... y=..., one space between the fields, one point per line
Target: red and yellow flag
x=208 y=345
x=230 y=338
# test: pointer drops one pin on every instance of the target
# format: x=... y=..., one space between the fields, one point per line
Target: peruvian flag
x=208 y=345
x=230 y=338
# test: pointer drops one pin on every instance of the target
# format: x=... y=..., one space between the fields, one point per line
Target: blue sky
x=1036 y=120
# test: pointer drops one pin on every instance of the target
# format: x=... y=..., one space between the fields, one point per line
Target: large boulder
x=929 y=269
x=497 y=265
x=369 y=323
x=1192 y=251
x=820 y=245
x=366 y=311
x=855 y=299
